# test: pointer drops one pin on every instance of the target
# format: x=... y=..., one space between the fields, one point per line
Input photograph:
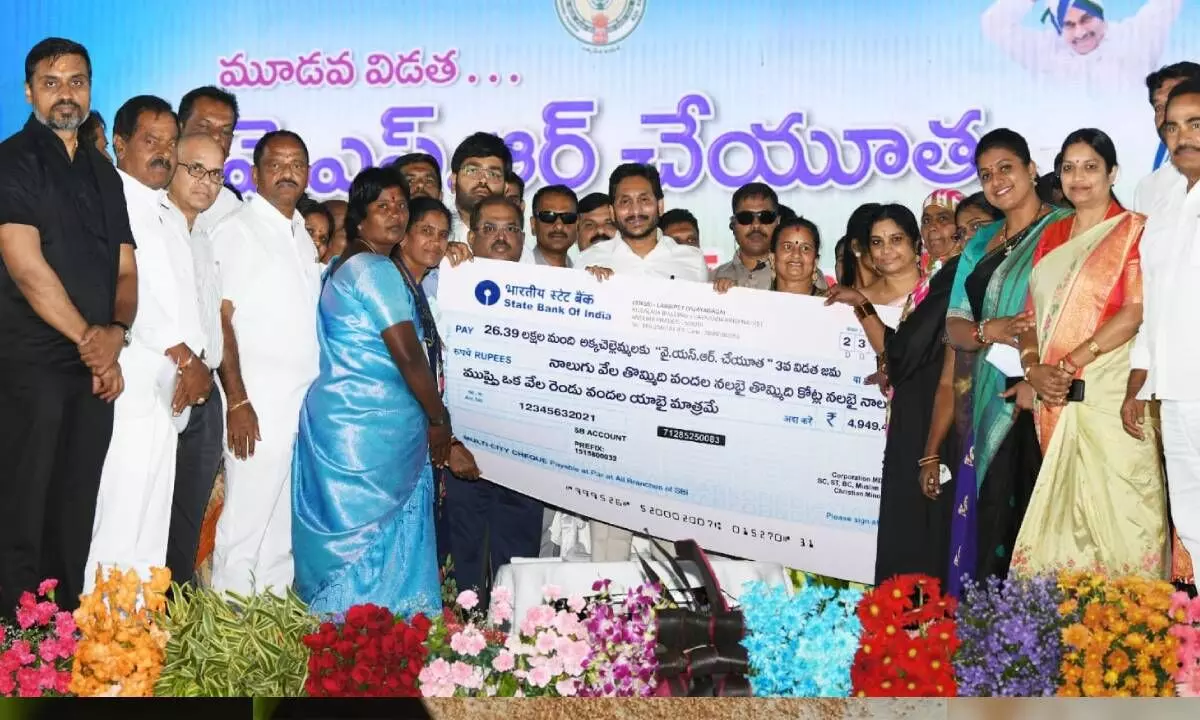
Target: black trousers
x=510 y=521
x=54 y=434
x=196 y=463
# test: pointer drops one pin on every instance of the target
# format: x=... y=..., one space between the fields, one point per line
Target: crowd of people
x=156 y=326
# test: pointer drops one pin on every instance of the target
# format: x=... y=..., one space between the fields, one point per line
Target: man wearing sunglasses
x=555 y=224
x=755 y=217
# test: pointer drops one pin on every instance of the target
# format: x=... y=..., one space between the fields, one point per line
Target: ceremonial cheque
x=642 y=402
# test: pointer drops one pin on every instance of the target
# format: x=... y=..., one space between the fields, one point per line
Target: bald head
x=199 y=174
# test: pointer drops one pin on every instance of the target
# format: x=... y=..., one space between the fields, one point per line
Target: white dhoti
x=1181 y=445
x=252 y=552
x=133 y=507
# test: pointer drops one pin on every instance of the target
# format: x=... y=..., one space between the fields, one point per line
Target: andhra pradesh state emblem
x=602 y=24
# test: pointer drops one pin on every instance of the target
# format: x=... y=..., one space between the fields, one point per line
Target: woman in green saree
x=987 y=309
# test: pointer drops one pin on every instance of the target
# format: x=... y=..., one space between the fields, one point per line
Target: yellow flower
x=1067 y=607
x=1111 y=677
x=1135 y=641
x=1118 y=661
x=1157 y=622
x=1142 y=661
x=1069 y=690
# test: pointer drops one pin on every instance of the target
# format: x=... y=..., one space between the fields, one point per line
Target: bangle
x=1094 y=348
x=980 y=337
x=235 y=406
x=1028 y=351
x=864 y=311
x=929 y=460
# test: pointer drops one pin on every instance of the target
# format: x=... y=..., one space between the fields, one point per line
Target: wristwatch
x=124 y=328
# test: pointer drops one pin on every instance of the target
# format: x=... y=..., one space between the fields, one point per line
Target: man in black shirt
x=68 y=295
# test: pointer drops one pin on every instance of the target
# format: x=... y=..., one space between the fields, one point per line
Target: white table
x=526 y=577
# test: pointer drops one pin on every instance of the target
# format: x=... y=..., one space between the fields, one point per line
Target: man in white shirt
x=639 y=249
x=555 y=225
x=269 y=287
x=214 y=112
x=596 y=222
x=1160 y=83
x=133 y=507
x=194 y=188
x=1165 y=350
x=1084 y=46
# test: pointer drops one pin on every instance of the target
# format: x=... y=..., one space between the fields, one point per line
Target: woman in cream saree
x=1099 y=502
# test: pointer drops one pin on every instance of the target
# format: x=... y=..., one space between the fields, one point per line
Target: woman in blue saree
x=362 y=495
x=987 y=307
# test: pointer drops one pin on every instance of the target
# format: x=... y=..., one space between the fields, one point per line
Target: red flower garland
x=372 y=654
x=908 y=640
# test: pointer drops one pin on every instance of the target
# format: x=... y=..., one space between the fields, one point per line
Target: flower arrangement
x=1186 y=614
x=544 y=656
x=622 y=635
x=908 y=640
x=1117 y=637
x=1011 y=638
x=226 y=645
x=35 y=656
x=372 y=654
x=121 y=649
x=800 y=645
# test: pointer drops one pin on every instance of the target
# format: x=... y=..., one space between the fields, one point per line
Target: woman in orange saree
x=1099 y=502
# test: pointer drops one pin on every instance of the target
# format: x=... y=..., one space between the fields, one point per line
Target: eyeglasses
x=472 y=171
x=550 y=217
x=198 y=171
x=492 y=230
x=747 y=217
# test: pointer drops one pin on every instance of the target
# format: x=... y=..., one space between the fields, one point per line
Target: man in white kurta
x=1078 y=44
x=1165 y=350
x=133 y=507
x=270 y=280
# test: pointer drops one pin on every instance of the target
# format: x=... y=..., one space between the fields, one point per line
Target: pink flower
x=64 y=624
x=3 y=634
x=567 y=687
x=47 y=586
x=470 y=641
x=551 y=592
x=502 y=594
x=44 y=611
x=501 y=611
x=460 y=673
x=27 y=683
x=62 y=682
x=576 y=603
x=8 y=683
x=540 y=615
x=504 y=662
x=21 y=652
x=467 y=600
x=540 y=677
x=437 y=670
x=26 y=617
x=545 y=642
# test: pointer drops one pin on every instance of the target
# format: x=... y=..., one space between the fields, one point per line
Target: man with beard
x=422 y=173
x=1159 y=84
x=193 y=190
x=214 y=112
x=270 y=282
x=479 y=513
x=637 y=204
x=596 y=222
x=133 y=507
x=68 y=295
x=1085 y=46
x=755 y=217
x=641 y=249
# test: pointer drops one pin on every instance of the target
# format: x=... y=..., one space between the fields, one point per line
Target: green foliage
x=227 y=645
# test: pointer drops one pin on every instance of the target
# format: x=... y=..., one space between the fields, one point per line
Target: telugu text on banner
x=741 y=421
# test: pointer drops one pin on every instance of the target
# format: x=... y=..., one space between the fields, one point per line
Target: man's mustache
x=162 y=162
x=285 y=182
x=1181 y=148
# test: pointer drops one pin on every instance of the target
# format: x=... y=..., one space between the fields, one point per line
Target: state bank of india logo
x=487 y=292
x=601 y=24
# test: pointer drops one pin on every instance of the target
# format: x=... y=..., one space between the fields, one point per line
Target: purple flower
x=1010 y=635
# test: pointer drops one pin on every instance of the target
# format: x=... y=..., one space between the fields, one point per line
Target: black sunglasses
x=550 y=217
x=747 y=217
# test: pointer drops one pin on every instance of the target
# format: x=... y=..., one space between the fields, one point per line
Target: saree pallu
x=992 y=419
x=1099 y=503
